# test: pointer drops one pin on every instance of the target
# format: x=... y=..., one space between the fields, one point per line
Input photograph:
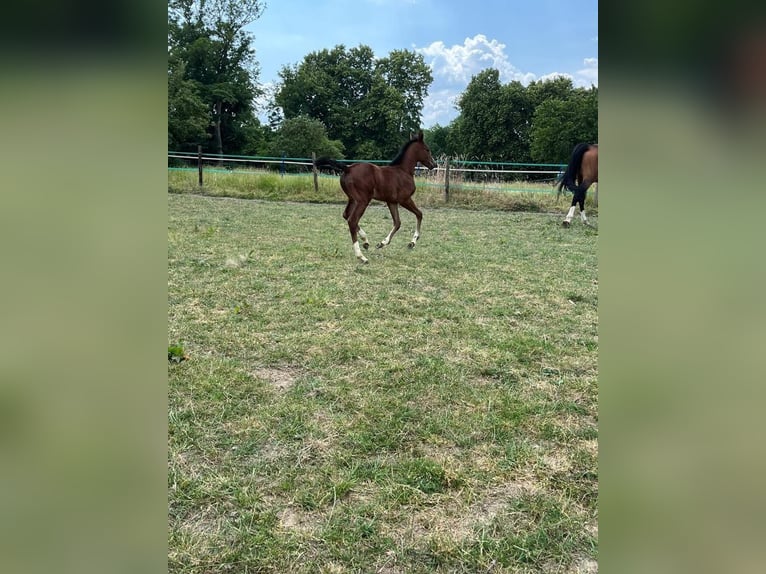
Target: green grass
x=270 y=186
x=432 y=411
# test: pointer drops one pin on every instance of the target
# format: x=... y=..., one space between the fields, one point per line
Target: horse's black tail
x=568 y=180
x=321 y=162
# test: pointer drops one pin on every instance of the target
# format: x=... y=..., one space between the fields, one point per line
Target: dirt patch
x=556 y=462
x=204 y=524
x=584 y=566
x=281 y=379
x=459 y=522
x=482 y=512
x=294 y=519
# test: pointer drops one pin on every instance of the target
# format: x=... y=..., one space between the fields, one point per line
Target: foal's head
x=422 y=151
x=415 y=150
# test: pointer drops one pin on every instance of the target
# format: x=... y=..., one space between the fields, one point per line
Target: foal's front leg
x=363 y=235
x=409 y=205
x=394 y=209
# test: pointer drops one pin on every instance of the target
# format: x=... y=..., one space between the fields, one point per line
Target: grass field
x=260 y=184
x=432 y=411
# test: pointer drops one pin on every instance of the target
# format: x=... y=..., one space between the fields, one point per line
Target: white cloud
x=457 y=64
x=439 y=107
x=588 y=75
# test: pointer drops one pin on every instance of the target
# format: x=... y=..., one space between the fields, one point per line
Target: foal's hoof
x=565 y=223
x=366 y=244
x=379 y=245
x=411 y=244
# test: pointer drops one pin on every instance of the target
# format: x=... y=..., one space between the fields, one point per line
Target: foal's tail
x=568 y=180
x=321 y=162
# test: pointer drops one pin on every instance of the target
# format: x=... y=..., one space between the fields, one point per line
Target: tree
x=370 y=105
x=208 y=37
x=481 y=129
x=560 y=124
x=560 y=88
x=298 y=137
x=187 y=114
x=407 y=77
x=518 y=123
x=439 y=140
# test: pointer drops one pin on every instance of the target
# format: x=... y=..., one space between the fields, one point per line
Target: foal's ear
x=420 y=135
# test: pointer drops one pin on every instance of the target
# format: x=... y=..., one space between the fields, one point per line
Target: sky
x=525 y=40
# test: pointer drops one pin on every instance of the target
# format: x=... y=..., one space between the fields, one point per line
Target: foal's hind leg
x=354 y=229
x=409 y=205
x=394 y=209
x=346 y=213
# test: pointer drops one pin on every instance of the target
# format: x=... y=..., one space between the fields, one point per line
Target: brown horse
x=394 y=184
x=580 y=174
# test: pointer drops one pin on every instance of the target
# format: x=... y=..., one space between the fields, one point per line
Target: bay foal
x=394 y=184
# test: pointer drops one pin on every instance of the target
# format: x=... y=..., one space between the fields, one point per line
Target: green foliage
x=560 y=124
x=371 y=105
x=176 y=353
x=215 y=58
x=541 y=122
x=438 y=138
x=479 y=132
x=187 y=114
x=298 y=137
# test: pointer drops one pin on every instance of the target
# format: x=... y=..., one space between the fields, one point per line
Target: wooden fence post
x=199 y=163
x=314 y=169
x=446 y=182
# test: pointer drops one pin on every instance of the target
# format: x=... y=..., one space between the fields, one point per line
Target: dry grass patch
x=281 y=379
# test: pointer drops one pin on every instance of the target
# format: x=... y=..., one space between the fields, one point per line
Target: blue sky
x=525 y=41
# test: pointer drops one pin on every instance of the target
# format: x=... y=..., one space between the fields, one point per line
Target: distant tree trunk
x=217 y=134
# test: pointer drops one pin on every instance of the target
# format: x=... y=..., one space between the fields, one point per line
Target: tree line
x=346 y=103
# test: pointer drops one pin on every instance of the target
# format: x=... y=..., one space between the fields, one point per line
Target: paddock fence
x=451 y=173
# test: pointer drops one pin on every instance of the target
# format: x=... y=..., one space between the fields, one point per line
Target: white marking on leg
x=387 y=240
x=358 y=253
x=415 y=237
x=570 y=214
x=582 y=216
x=362 y=234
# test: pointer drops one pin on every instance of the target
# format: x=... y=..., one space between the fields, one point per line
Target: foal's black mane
x=400 y=156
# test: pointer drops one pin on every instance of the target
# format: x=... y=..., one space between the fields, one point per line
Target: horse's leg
x=410 y=206
x=584 y=186
x=363 y=235
x=394 y=209
x=353 y=227
x=346 y=213
x=570 y=214
x=578 y=199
